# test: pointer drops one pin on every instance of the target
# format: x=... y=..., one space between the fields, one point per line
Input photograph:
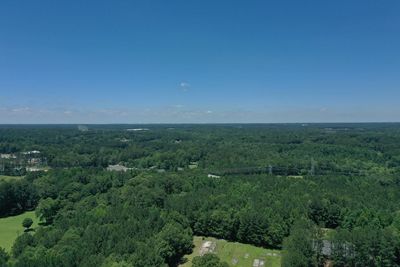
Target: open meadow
x=236 y=254
x=11 y=227
x=7 y=178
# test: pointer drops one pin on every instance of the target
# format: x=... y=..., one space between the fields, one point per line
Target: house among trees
x=8 y=156
x=34 y=161
x=31 y=152
x=118 y=168
x=35 y=169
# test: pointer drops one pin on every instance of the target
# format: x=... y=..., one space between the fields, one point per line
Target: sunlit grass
x=11 y=227
x=244 y=254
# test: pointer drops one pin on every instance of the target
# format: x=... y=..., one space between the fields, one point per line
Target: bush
x=27 y=223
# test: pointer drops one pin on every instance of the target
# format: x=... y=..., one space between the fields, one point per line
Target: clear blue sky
x=199 y=61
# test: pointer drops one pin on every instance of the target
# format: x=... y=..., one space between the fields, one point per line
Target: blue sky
x=199 y=61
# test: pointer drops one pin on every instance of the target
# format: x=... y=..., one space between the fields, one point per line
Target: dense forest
x=129 y=195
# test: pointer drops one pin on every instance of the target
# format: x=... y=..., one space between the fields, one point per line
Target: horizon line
x=204 y=123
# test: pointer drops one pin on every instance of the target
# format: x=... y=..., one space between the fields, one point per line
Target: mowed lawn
x=8 y=178
x=11 y=227
x=236 y=254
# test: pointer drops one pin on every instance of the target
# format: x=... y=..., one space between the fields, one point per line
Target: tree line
x=93 y=217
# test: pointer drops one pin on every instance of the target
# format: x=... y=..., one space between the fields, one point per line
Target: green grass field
x=243 y=254
x=11 y=227
x=8 y=178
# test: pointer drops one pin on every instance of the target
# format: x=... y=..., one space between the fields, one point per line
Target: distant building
x=83 y=128
x=7 y=156
x=117 y=168
x=137 y=129
x=34 y=161
x=193 y=165
x=31 y=152
x=35 y=169
x=213 y=176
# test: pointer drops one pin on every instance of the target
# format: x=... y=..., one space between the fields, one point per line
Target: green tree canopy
x=208 y=260
x=27 y=223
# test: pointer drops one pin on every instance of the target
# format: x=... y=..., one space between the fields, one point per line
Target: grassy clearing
x=8 y=178
x=327 y=233
x=230 y=251
x=296 y=176
x=193 y=166
x=11 y=227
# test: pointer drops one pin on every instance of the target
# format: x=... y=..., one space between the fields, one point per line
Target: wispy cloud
x=25 y=110
x=185 y=86
x=178 y=106
x=187 y=114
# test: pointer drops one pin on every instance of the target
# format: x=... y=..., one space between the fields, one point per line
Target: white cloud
x=21 y=110
x=185 y=86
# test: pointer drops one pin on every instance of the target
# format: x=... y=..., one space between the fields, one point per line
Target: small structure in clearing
x=193 y=165
x=258 y=263
x=213 y=176
x=207 y=247
x=273 y=254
